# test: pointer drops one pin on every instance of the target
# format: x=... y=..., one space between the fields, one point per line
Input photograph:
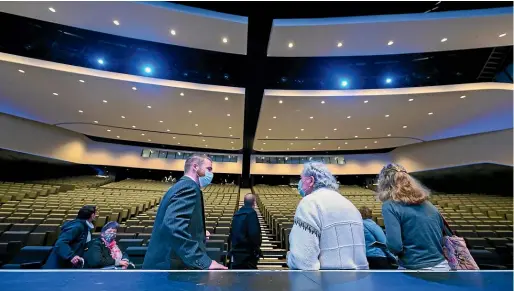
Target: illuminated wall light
x=133 y=126
x=117 y=136
x=344 y=83
x=389 y=81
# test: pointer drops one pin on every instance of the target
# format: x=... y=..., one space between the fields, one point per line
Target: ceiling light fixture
x=287 y=148
x=203 y=139
x=430 y=113
x=387 y=115
x=56 y=94
x=290 y=45
x=444 y=39
x=148 y=70
x=228 y=114
x=319 y=143
x=117 y=136
x=375 y=141
x=196 y=124
x=338 y=148
x=302 y=129
x=266 y=136
x=116 y=22
x=269 y=129
x=161 y=121
x=174 y=137
x=231 y=135
x=21 y=71
x=51 y=9
x=81 y=81
x=410 y=100
x=134 y=88
x=280 y=101
x=173 y=32
x=390 y=42
x=123 y=117
x=311 y=117
x=366 y=101
x=326 y=136
x=295 y=137
x=348 y=117
x=366 y=147
x=168 y=131
x=339 y=44
x=322 y=102
x=100 y=61
x=200 y=133
x=463 y=96
x=368 y=128
x=149 y=106
x=95 y=121
x=291 y=143
x=313 y=148
x=230 y=127
x=181 y=93
x=178 y=143
x=388 y=134
x=109 y=130
x=335 y=129
x=142 y=134
x=344 y=83
x=405 y=126
x=149 y=140
x=225 y=40
x=356 y=136
x=502 y=35
x=263 y=143
x=133 y=126
x=104 y=101
x=226 y=98
x=190 y=111
x=80 y=111
x=346 y=143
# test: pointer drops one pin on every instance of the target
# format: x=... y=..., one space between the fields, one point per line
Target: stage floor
x=252 y=280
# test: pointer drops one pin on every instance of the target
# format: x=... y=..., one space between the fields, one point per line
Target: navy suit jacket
x=178 y=236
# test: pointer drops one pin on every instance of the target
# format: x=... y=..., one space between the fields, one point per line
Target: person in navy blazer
x=178 y=236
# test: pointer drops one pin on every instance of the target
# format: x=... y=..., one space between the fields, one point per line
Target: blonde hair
x=394 y=183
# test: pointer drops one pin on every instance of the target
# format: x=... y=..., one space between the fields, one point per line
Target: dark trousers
x=244 y=262
x=379 y=263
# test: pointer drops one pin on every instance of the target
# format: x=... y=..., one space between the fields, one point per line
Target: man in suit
x=246 y=236
x=178 y=236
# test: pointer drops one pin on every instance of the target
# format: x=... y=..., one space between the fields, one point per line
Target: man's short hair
x=249 y=199
x=86 y=211
x=195 y=159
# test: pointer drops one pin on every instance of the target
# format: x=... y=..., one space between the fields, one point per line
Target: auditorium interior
x=102 y=102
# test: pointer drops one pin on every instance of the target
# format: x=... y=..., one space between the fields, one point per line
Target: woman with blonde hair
x=413 y=225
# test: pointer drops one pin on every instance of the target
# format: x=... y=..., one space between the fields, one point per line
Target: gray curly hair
x=323 y=178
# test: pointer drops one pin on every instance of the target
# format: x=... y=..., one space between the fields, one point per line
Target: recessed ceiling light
x=232 y=147
x=375 y=141
x=174 y=137
x=366 y=101
x=226 y=98
x=230 y=127
x=346 y=143
x=225 y=40
x=149 y=140
x=302 y=129
x=339 y=44
x=326 y=136
x=366 y=147
x=322 y=102
x=116 y=22
x=502 y=35
x=368 y=128
x=430 y=113
x=123 y=117
x=405 y=126
x=274 y=117
x=56 y=94
x=280 y=101
x=21 y=71
x=95 y=121
x=133 y=126
x=463 y=96
x=181 y=93
x=109 y=130
x=266 y=136
x=178 y=143
x=203 y=139
x=196 y=124
x=444 y=39
x=231 y=142
x=335 y=129
x=51 y=9
x=149 y=106
x=390 y=42
x=134 y=88
x=81 y=81
x=311 y=117
x=387 y=115
x=269 y=129
x=348 y=117
x=231 y=135
x=388 y=134
x=295 y=137
x=263 y=143
x=80 y=111
x=173 y=32
x=287 y=148
x=313 y=148
x=356 y=136
x=338 y=148
x=200 y=133
x=167 y=130
x=100 y=61
x=291 y=143
x=411 y=100
x=290 y=45
x=117 y=136
x=143 y=134
x=228 y=114
x=104 y=101
x=161 y=121
x=319 y=143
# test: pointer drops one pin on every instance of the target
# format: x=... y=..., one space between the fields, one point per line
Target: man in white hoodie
x=328 y=232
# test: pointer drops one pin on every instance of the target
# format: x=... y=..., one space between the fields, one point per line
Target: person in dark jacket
x=69 y=247
x=103 y=252
x=246 y=236
x=178 y=236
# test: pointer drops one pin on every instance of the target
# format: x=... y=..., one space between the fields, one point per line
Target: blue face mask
x=300 y=190
x=207 y=179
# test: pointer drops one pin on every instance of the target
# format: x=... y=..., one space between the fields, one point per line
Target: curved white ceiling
x=374 y=119
x=151 y=21
x=105 y=104
x=410 y=33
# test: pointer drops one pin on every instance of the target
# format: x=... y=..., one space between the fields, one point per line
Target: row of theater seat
x=78 y=182
x=485 y=221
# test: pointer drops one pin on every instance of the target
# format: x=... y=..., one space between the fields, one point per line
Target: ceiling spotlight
x=387 y=115
x=230 y=127
x=109 y=130
x=161 y=121
x=368 y=128
x=174 y=137
x=295 y=137
x=287 y=148
x=95 y=121
x=117 y=136
x=134 y=88
x=335 y=129
x=313 y=148
x=228 y=114
x=280 y=101
x=51 y=9
x=356 y=136
x=274 y=117
x=444 y=39
x=149 y=140
x=21 y=71
x=203 y=139
x=178 y=143
x=142 y=134
x=263 y=143
x=124 y=117
x=326 y=136
x=80 y=111
x=389 y=80
x=388 y=134
x=231 y=135
x=81 y=81
x=290 y=45
x=269 y=129
x=266 y=136
x=411 y=100
x=430 y=113
x=375 y=141
x=291 y=143
x=148 y=70
x=190 y=111
x=173 y=32
x=116 y=22
x=322 y=102
x=344 y=83
x=104 y=101
x=502 y=35
x=346 y=143
x=133 y=126
x=226 y=98
x=100 y=61
x=231 y=142
x=348 y=117
x=339 y=44
x=168 y=131
x=196 y=124
x=366 y=147
x=149 y=106
x=366 y=101
x=390 y=42
x=463 y=96
x=338 y=148
x=311 y=117
x=200 y=133
x=225 y=40
x=56 y=94
x=302 y=129
x=405 y=126
x=319 y=143
x=181 y=93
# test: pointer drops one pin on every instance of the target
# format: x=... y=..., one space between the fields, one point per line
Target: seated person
x=377 y=253
x=104 y=253
x=69 y=248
